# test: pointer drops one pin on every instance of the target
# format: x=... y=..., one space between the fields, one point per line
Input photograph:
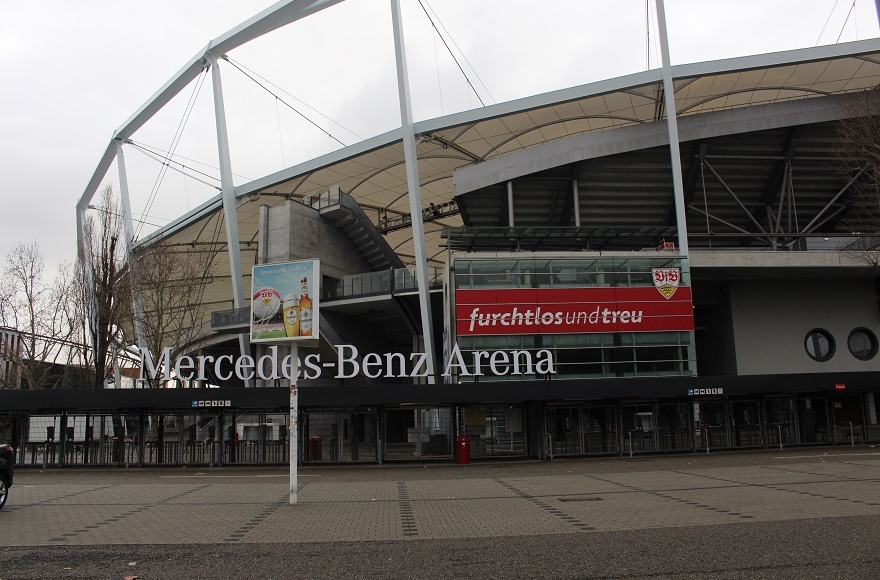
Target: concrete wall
x=293 y=231
x=297 y=232
x=771 y=318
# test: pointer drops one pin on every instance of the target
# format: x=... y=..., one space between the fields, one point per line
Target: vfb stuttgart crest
x=666 y=281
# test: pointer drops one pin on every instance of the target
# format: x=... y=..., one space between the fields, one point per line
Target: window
x=557 y=272
x=819 y=344
x=862 y=343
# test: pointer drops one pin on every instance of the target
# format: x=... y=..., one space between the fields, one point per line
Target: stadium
x=677 y=260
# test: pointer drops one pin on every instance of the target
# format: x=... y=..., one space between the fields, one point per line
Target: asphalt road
x=820 y=548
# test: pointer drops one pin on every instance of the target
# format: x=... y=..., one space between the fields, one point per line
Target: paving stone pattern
x=240 y=506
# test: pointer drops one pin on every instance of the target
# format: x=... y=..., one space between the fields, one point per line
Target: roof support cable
x=163 y=153
x=437 y=66
x=842 y=28
x=153 y=153
x=174 y=142
x=280 y=134
x=141 y=220
x=209 y=260
x=461 y=52
x=167 y=163
x=827 y=20
x=255 y=74
x=285 y=103
x=651 y=23
x=647 y=36
x=466 y=78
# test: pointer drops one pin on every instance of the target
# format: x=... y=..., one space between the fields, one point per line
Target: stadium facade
x=675 y=260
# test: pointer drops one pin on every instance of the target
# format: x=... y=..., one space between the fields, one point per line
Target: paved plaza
x=510 y=516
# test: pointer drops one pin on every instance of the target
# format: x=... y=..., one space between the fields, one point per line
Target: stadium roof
x=475 y=149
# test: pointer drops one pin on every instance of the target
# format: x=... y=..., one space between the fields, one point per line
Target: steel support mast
x=412 y=181
x=227 y=191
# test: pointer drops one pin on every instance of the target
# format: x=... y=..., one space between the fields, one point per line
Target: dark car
x=6 y=460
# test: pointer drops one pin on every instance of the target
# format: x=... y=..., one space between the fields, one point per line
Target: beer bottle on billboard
x=291 y=315
x=305 y=310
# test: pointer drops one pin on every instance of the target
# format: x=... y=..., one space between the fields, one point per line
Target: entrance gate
x=340 y=437
x=581 y=430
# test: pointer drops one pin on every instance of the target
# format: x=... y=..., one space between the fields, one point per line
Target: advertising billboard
x=284 y=301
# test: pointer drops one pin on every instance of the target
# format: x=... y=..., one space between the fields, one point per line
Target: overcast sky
x=74 y=72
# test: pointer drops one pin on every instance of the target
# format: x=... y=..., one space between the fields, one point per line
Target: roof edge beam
x=276 y=16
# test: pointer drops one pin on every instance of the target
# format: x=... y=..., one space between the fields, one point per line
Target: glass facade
x=589 y=355
x=345 y=435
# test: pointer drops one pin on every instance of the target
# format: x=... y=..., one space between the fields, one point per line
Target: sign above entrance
x=347 y=364
x=284 y=303
x=574 y=310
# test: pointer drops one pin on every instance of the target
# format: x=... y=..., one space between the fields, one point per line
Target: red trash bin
x=462 y=450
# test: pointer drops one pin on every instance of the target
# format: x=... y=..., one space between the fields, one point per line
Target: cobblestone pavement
x=380 y=503
x=792 y=514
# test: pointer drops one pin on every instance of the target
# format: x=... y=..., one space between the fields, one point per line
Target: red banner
x=572 y=310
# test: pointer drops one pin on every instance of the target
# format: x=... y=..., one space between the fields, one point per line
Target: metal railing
x=703 y=433
x=391 y=281
x=227 y=319
x=779 y=431
x=842 y=425
x=324 y=199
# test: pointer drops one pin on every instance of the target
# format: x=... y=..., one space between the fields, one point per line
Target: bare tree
x=35 y=306
x=79 y=351
x=171 y=283
x=858 y=150
x=106 y=294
